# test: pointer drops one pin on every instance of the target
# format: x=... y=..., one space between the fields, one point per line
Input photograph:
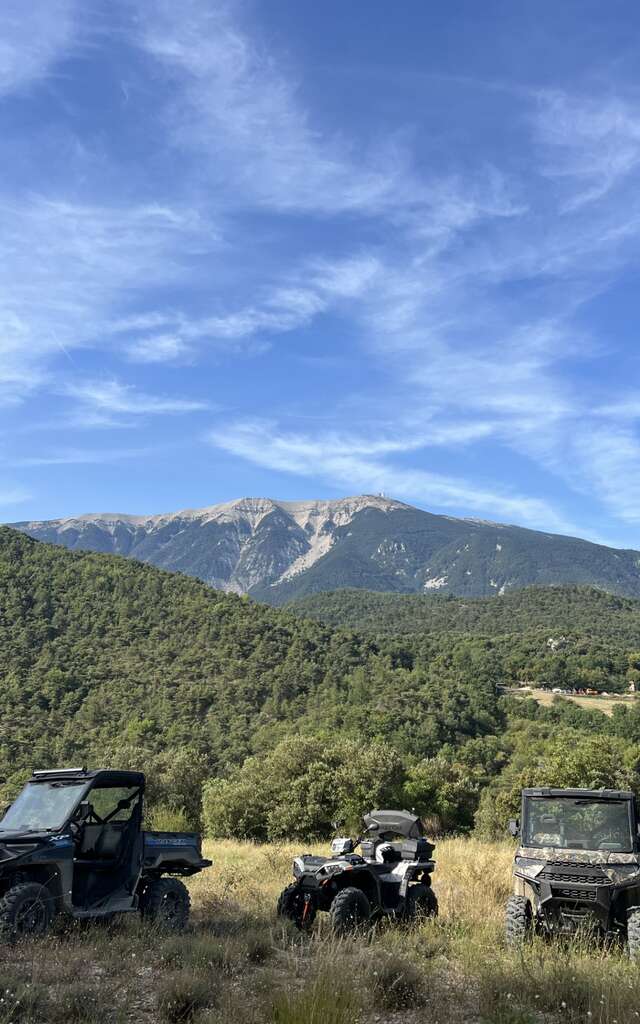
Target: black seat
x=101 y=845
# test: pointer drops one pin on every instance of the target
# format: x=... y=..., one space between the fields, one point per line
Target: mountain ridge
x=279 y=551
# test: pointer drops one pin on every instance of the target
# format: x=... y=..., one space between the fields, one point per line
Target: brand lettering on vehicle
x=170 y=842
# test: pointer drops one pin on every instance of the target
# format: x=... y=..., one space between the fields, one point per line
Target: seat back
x=104 y=842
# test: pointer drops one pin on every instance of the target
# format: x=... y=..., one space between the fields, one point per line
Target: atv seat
x=313 y=861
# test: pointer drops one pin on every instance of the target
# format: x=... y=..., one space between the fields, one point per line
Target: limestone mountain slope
x=278 y=551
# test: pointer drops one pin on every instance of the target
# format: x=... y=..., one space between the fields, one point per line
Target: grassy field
x=238 y=964
x=592 y=703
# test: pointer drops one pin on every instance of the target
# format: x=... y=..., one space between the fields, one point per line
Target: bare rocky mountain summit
x=280 y=550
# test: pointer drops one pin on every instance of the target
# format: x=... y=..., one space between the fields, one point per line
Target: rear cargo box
x=417 y=849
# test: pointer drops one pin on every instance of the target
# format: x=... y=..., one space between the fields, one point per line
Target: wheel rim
x=355 y=916
x=301 y=911
x=31 y=918
x=171 y=911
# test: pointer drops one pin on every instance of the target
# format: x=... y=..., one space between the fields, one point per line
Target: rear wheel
x=421 y=902
x=350 y=910
x=25 y=910
x=633 y=934
x=166 y=902
x=518 y=921
x=293 y=905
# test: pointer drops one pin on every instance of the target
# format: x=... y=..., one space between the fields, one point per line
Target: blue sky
x=307 y=250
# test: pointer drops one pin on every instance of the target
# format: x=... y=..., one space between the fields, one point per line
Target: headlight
x=529 y=866
x=332 y=868
x=621 y=872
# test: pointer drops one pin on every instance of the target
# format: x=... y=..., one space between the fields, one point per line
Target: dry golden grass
x=237 y=964
x=591 y=703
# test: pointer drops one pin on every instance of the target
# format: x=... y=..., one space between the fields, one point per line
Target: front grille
x=573 y=873
x=573 y=878
x=576 y=894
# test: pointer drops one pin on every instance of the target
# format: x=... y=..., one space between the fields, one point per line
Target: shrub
x=164 y=818
x=323 y=1001
x=398 y=984
x=183 y=994
x=297 y=790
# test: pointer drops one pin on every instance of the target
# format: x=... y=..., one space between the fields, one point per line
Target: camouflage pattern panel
x=573 y=856
x=521 y=887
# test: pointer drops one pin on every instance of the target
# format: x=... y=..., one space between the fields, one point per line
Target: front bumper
x=566 y=907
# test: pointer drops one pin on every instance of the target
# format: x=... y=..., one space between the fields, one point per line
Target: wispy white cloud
x=33 y=37
x=111 y=396
x=66 y=266
x=294 y=302
x=77 y=457
x=608 y=459
x=625 y=409
x=358 y=463
x=592 y=142
x=237 y=106
x=13 y=495
x=158 y=348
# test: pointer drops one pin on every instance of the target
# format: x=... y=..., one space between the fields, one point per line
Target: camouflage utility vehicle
x=391 y=877
x=577 y=864
x=73 y=843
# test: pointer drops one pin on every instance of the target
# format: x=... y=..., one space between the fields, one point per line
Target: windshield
x=577 y=824
x=42 y=806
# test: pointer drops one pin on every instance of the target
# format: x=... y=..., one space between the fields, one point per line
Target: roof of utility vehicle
x=106 y=776
x=597 y=794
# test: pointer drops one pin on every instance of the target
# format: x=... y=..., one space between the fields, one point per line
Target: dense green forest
x=287 y=723
x=557 y=636
x=559 y=610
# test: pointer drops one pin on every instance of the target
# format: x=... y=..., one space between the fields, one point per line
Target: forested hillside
x=566 y=609
x=284 y=721
x=104 y=659
x=555 y=636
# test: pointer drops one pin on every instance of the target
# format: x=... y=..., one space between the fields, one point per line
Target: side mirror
x=514 y=827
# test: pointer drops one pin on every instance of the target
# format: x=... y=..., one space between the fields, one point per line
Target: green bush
x=303 y=785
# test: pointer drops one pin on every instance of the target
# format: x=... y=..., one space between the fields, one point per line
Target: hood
x=13 y=846
x=572 y=856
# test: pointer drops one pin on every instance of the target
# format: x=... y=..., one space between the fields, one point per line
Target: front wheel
x=350 y=910
x=25 y=910
x=296 y=907
x=633 y=933
x=421 y=902
x=518 y=921
x=166 y=902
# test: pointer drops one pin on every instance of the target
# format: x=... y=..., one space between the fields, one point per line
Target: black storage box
x=417 y=849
